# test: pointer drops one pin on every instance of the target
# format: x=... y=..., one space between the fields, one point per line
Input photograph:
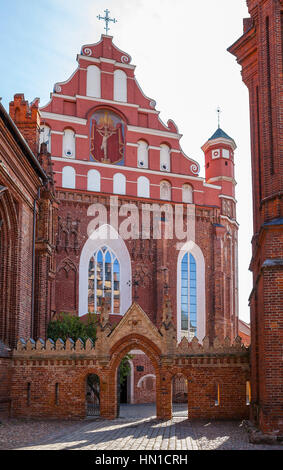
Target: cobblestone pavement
x=128 y=432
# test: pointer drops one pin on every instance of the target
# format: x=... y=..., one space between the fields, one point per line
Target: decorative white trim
x=208 y=185
x=152 y=111
x=102 y=100
x=78 y=136
x=138 y=170
x=191 y=247
x=131 y=144
x=228 y=197
x=146 y=130
x=101 y=59
x=234 y=222
x=62 y=117
x=220 y=140
x=97 y=240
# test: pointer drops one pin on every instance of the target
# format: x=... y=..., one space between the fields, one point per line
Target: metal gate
x=93 y=395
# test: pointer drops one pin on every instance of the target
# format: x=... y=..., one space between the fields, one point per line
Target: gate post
x=164 y=396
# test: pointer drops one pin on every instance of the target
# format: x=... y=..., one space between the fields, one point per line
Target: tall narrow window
x=69 y=144
x=187 y=193
x=248 y=393
x=217 y=395
x=164 y=157
x=68 y=177
x=93 y=180
x=188 y=296
x=45 y=137
x=120 y=86
x=119 y=184
x=143 y=187
x=165 y=190
x=142 y=154
x=104 y=281
x=93 y=87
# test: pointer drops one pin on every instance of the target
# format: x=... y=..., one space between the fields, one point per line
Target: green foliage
x=125 y=368
x=68 y=326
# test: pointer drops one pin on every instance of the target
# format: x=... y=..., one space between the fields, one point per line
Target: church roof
x=219 y=133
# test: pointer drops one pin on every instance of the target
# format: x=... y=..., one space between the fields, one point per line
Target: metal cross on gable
x=106 y=18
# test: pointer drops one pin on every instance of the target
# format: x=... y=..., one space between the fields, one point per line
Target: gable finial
x=218 y=114
x=106 y=18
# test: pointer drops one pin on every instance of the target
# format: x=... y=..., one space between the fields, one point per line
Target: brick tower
x=259 y=52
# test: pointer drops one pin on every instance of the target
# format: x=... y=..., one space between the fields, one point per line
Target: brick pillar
x=164 y=395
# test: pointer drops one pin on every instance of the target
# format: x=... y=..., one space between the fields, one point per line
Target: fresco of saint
x=107 y=141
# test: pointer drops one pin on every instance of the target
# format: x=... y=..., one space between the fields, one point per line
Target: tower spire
x=107 y=19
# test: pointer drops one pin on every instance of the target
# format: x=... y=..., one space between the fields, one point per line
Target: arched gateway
x=64 y=393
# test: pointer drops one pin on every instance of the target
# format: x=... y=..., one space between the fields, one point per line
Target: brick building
x=126 y=228
x=259 y=51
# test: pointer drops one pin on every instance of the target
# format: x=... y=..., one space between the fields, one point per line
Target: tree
x=68 y=326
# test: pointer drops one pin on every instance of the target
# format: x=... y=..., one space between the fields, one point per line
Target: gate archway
x=119 y=351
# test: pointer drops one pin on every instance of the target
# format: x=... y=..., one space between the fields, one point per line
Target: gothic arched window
x=104 y=281
x=188 y=296
x=120 y=86
x=68 y=177
x=93 y=87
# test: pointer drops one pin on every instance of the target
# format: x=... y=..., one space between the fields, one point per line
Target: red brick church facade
x=103 y=149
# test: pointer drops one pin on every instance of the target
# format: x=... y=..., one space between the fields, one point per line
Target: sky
x=180 y=52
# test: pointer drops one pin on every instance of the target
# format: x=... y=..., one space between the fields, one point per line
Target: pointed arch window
x=188 y=296
x=104 y=281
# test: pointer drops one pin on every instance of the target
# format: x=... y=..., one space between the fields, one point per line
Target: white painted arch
x=194 y=249
x=106 y=235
